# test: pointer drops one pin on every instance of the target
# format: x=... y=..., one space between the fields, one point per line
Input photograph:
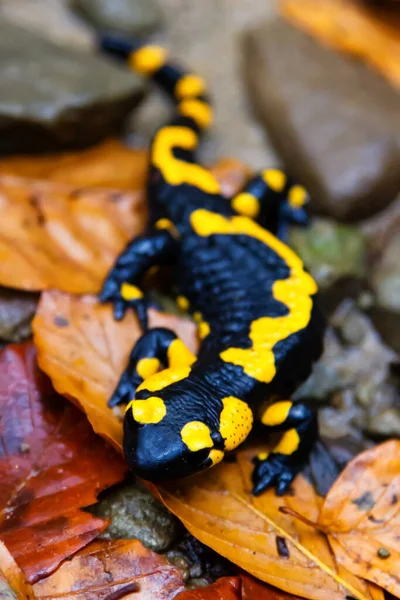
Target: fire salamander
x=259 y=325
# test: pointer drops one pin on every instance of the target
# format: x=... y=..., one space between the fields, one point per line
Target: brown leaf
x=237 y=588
x=218 y=509
x=361 y=514
x=372 y=34
x=51 y=465
x=84 y=351
x=13 y=583
x=85 y=358
x=226 y=588
x=109 y=570
x=58 y=236
x=108 y=165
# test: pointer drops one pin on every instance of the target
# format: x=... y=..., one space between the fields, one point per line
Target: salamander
x=255 y=305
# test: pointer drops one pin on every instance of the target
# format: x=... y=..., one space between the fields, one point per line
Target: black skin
x=229 y=280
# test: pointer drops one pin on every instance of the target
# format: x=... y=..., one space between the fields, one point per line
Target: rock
x=17 y=310
x=387 y=323
x=131 y=17
x=335 y=123
x=353 y=382
x=201 y=563
x=51 y=19
x=53 y=97
x=385 y=424
x=136 y=514
x=330 y=250
x=385 y=275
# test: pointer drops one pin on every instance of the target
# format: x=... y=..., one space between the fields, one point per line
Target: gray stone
x=131 y=17
x=136 y=514
x=53 y=97
x=385 y=276
x=385 y=424
x=353 y=382
x=335 y=123
x=17 y=310
x=330 y=250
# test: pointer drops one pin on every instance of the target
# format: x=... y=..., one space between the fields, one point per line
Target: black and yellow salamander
x=258 y=322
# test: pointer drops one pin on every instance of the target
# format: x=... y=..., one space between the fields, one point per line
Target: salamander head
x=161 y=444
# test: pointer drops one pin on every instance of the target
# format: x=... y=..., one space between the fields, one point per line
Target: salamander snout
x=160 y=452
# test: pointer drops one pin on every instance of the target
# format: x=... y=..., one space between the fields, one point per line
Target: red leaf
x=51 y=465
x=109 y=570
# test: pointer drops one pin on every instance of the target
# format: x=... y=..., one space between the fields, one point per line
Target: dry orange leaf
x=372 y=34
x=51 y=465
x=112 y=569
x=84 y=351
x=108 y=165
x=362 y=515
x=58 y=236
x=101 y=571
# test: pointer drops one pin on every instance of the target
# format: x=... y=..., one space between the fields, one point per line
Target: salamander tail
x=186 y=89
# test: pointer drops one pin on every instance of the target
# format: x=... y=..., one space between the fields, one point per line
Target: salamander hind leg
x=279 y=467
x=274 y=201
x=157 y=348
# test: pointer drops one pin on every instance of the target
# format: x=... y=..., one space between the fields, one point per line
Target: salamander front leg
x=289 y=456
x=157 y=348
x=157 y=247
x=274 y=201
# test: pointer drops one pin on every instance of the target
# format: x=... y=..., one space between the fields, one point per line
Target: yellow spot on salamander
x=276 y=414
x=203 y=330
x=183 y=303
x=130 y=292
x=152 y=410
x=297 y=196
x=196 y=435
x=216 y=456
x=147 y=60
x=246 y=204
x=275 y=179
x=189 y=86
x=147 y=366
x=197 y=317
x=197 y=110
x=167 y=224
x=289 y=443
x=179 y=355
x=263 y=455
x=236 y=421
x=294 y=292
x=160 y=380
x=175 y=171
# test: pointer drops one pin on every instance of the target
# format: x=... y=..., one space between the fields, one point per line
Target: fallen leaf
x=361 y=514
x=13 y=582
x=51 y=465
x=226 y=588
x=237 y=588
x=218 y=509
x=107 y=570
x=85 y=357
x=231 y=174
x=59 y=236
x=84 y=351
x=372 y=34
x=108 y=165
